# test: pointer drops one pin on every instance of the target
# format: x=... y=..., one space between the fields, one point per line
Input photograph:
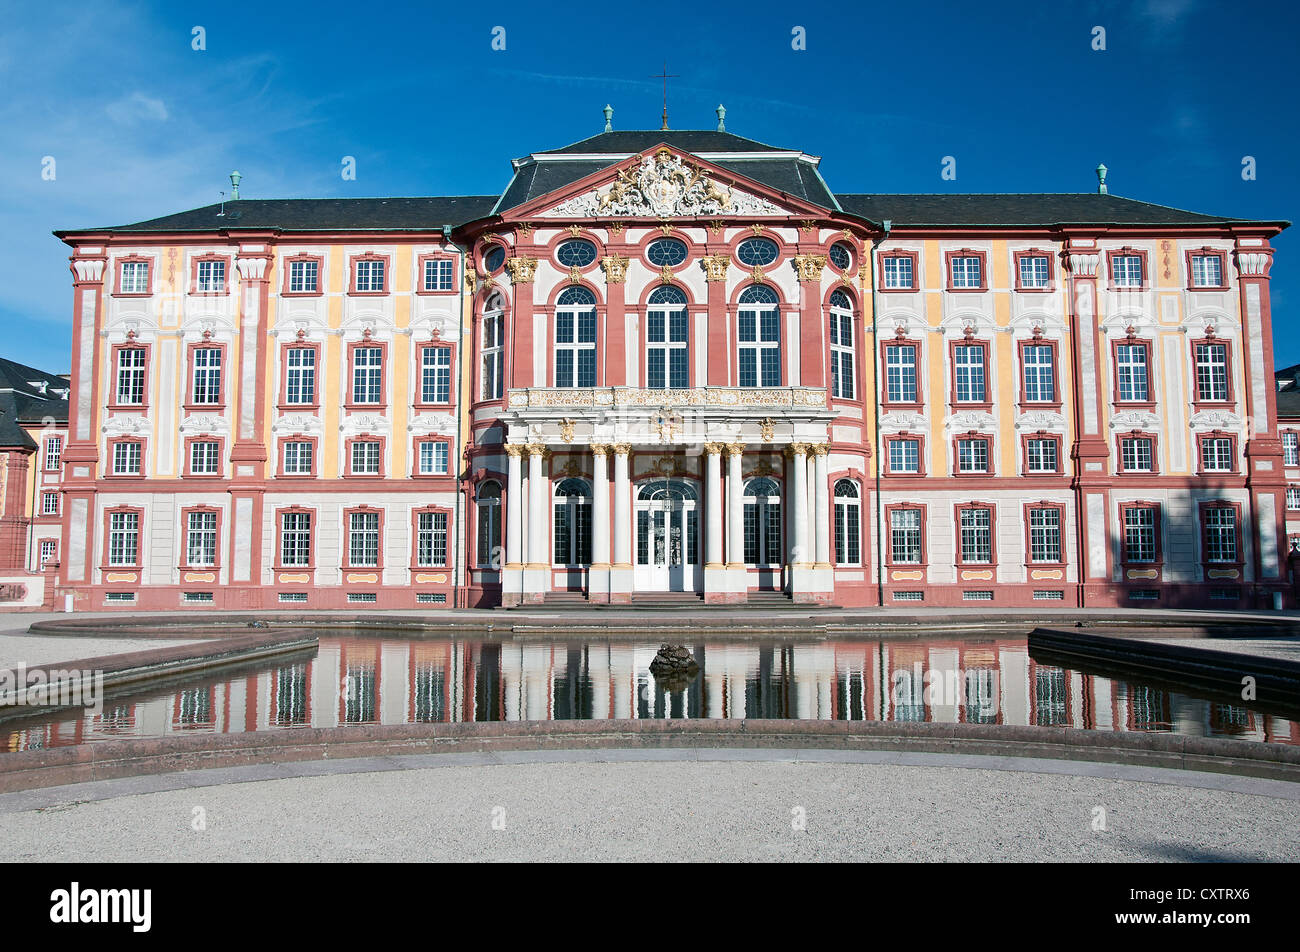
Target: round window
x=666 y=251
x=841 y=256
x=495 y=259
x=757 y=252
x=576 y=253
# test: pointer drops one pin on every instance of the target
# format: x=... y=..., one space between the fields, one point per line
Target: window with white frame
x=762 y=521
x=898 y=272
x=1207 y=271
x=575 y=338
x=1135 y=454
x=365 y=458
x=201 y=538
x=1041 y=454
x=848 y=523
x=126 y=459
x=135 y=277
x=1139 y=534
x=759 y=337
x=370 y=274
x=572 y=522
x=435 y=375
x=49 y=551
x=1220 y=534
x=54 y=452
x=1291 y=448
x=667 y=352
x=430 y=539
x=439 y=274
x=298 y=457
x=207 y=375
x=363 y=539
x=967 y=271
x=1212 y=372
x=123 y=538
x=973 y=455
x=211 y=277
x=968 y=373
x=49 y=504
x=1216 y=454
x=843 y=376
x=1126 y=271
x=1293 y=497
x=488 y=501
x=1131 y=373
x=493 y=349
x=367 y=375
x=295 y=538
x=300 y=375
x=904 y=456
x=434 y=457
x=905 y=536
x=900 y=373
x=205 y=458
x=130 y=376
x=304 y=277
x=976 y=535
x=1040 y=377
x=1034 y=272
x=1044 y=535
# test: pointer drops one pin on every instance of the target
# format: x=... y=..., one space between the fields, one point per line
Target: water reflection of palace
x=359 y=681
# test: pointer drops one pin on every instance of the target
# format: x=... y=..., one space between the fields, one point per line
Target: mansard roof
x=12 y=435
x=30 y=395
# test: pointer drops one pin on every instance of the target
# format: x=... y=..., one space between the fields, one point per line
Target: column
x=822 y=506
x=737 y=576
x=620 y=573
x=538 y=567
x=797 y=494
x=598 y=576
x=715 y=570
x=248 y=453
x=512 y=583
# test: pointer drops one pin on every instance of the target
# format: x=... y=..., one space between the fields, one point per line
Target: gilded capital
x=796 y=449
x=735 y=449
x=819 y=449
x=809 y=266
x=715 y=267
x=622 y=449
x=514 y=449
x=713 y=449
x=521 y=269
x=599 y=449
x=536 y=449
x=615 y=268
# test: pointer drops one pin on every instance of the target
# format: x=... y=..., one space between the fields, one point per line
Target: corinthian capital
x=521 y=270
x=615 y=268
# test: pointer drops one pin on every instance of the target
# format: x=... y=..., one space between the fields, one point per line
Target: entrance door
x=667 y=537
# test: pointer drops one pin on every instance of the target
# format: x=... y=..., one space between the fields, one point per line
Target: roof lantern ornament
x=609 y=117
x=722 y=117
x=1101 y=180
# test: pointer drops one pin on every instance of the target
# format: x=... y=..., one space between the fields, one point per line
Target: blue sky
x=141 y=125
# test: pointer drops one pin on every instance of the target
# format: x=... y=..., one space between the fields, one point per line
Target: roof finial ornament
x=609 y=117
x=665 y=76
x=234 y=184
x=1101 y=180
x=722 y=117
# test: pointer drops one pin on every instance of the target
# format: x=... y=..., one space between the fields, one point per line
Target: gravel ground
x=55 y=649
x=669 y=811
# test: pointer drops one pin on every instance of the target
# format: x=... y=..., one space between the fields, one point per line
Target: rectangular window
x=900 y=373
x=363 y=539
x=370 y=275
x=303 y=277
x=575 y=348
x=433 y=458
x=968 y=371
x=1207 y=271
x=431 y=539
x=848 y=527
x=49 y=504
x=493 y=354
x=368 y=374
x=201 y=538
x=1040 y=456
x=1040 y=379
x=123 y=538
x=1220 y=534
x=898 y=272
x=976 y=535
x=1139 y=534
x=130 y=376
x=972 y=456
x=967 y=272
x=126 y=459
x=435 y=375
x=904 y=456
x=843 y=379
x=295 y=538
x=1135 y=454
x=1126 y=271
x=365 y=458
x=54 y=452
x=300 y=375
x=205 y=458
x=135 y=277
x=1212 y=372
x=49 y=551
x=1044 y=535
x=905 y=535
x=1216 y=455
x=211 y=277
x=438 y=274
x=1293 y=497
x=1034 y=271
x=760 y=346
x=298 y=458
x=207 y=375
x=1131 y=373
x=1290 y=449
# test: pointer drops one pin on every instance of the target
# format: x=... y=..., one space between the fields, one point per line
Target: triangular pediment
x=664 y=183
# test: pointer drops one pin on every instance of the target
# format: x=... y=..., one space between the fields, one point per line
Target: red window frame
x=1200 y=457
x=112 y=453
x=1056 y=372
x=283 y=403
x=987 y=402
x=148 y=262
x=105 y=565
x=1158 y=562
x=288 y=275
x=384 y=375
x=415 y=456
x=1064 y=541
x=889 y=535
x=143 y=405
x=314 y=528
x=966 y=253
x=1127 y=252
x=45 y=449
x=957 y=510
x=434 y=344
x=194 y=275
x=919 y=438
x=1146 y=345
x=919 y=403
x=415 y=538
x=1207 y=253
x=437 y=256
x=1024 y=453
x=1120 y=470
x=346 y=546
x=187 y=469
x=915 y=257
x=185 y=538
x=1205 y=505
x=315 y=456
x=1051 y=270
x=352 y=274
x=190 y=402
x=989 y=469
x=365 y=438
x=1227 y=372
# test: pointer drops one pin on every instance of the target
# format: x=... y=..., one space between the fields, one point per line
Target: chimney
x=234 y=183
x=1101 y=180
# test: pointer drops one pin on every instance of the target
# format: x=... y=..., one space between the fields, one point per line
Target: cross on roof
x=665 y=76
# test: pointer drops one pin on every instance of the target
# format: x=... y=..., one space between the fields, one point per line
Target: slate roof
x=1288 y=404
x=20 y=387
x=11 y=433
x=1052 y=208
x=692 y=140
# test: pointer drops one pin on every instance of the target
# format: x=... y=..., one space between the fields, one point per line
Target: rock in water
x=673 y=660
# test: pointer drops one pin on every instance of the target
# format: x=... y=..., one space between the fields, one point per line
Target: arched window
x=493 y=348
x=759 y=338
x=575 y=338
x=762 y=499
x=848 y=523
x=843 y=379
x=572 y=522
x=488 y=502
x=667 y=353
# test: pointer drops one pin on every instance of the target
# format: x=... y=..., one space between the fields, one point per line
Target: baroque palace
x=674 y=362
